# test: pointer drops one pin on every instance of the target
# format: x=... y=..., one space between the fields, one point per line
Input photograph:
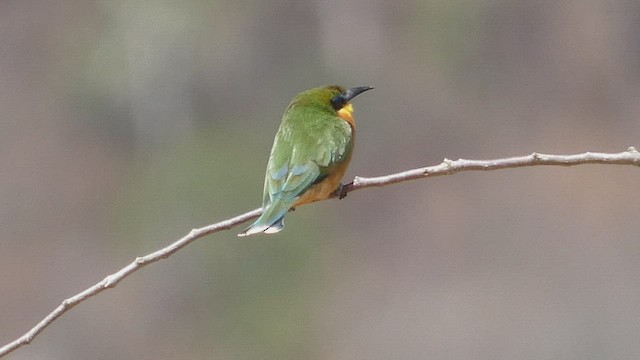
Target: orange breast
x=324 y=189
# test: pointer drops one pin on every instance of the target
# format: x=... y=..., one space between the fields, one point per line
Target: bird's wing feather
x=305 y=149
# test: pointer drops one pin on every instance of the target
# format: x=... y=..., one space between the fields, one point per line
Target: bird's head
x=332 y=98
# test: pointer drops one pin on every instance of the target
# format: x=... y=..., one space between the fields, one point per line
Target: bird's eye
x=338 y=102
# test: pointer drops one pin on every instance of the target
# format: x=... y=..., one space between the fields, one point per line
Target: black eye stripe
x=338 y=102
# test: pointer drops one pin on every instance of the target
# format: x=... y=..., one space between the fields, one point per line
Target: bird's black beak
x=341 y=100
x=353 y=92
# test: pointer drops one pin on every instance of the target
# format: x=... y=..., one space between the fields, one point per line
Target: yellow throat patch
x=346 y=114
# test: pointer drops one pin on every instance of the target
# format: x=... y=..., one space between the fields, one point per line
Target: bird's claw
x=342 y=191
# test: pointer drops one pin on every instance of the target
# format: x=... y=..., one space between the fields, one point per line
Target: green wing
x=308 y=144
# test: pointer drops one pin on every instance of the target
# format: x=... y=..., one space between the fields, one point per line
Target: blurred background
x=124 y=124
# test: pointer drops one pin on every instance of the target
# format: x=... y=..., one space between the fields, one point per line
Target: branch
x=447 y=167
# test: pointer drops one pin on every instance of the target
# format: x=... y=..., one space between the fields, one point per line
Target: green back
x=311 y=140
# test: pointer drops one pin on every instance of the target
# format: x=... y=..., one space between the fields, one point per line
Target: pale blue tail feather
x=272 y=219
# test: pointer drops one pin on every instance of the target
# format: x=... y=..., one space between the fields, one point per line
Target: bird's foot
x=342 y=191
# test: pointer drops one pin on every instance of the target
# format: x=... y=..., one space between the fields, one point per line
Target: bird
x=310 y=153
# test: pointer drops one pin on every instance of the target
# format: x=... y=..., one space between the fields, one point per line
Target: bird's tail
x=272 y=219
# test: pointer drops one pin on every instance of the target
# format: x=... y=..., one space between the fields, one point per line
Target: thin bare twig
x=447 y=167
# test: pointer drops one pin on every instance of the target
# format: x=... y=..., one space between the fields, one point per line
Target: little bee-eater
x=310 y=153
